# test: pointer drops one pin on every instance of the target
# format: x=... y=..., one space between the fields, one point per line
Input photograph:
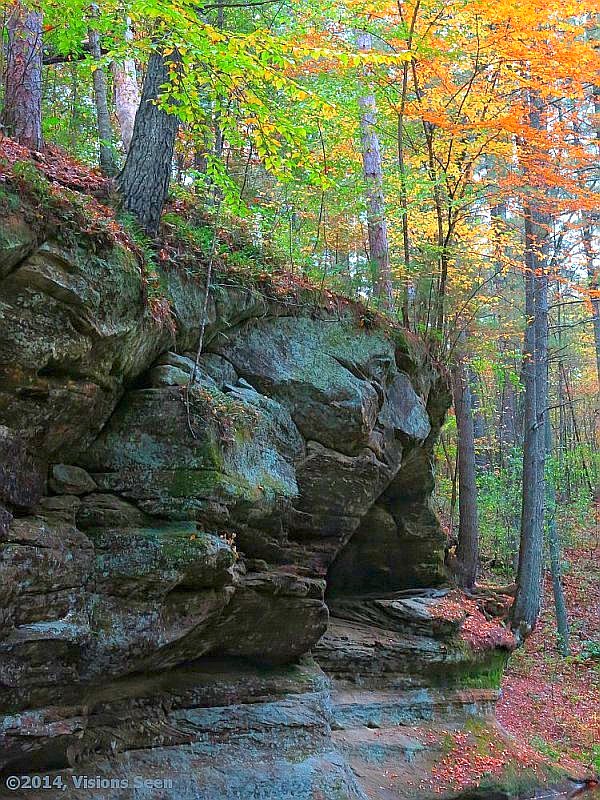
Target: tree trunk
x=591 y=221
x=144 y=181
x=594 y=284
x=467 y=551
x=560 y=607
x=527 y=603
x=22 y=114
x=480 y=431
x=404 y=210
x=507 y=406
x=379 y=251
x=127 y=95
x=528 y=599
x=108 y=162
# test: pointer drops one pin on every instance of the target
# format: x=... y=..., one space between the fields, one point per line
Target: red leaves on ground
x=484 y=634
x=475 y=629
x=56 y=165
x=10 y=152
x=553 y=698
x=72 y=187
x=475 y=756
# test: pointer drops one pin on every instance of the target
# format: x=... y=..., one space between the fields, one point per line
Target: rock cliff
x=227 y=592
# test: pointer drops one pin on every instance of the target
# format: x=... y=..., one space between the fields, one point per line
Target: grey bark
x=144 y=181
x=528 y=598
x=554 y=550
x=467 y=551
x=594 y=282
x=379 y=251
x=108 y=161
x=404 y=209
x=22 y=113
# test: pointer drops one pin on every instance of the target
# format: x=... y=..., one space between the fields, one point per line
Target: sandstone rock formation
x=229 y=588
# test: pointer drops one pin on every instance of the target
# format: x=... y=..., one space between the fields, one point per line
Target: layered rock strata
x=186 y=574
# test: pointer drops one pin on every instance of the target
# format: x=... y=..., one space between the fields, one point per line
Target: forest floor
x=551 y=702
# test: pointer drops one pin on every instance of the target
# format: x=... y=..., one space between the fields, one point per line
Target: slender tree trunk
x=127 y=94
x=528 y=599
x=576 y=431
x=73 y=110
x=480 y=430
x=219 y=138
x=565 y=488
x=408 y=288
x=441 y=293
x=591 y=222
x=404 y=207
x=379 y=251
x=507 y=429
x=560 y=607
x=144 y=181
x=108 y=161
x=22 y=113
x=219 y=143
x=467 y=552
x=527 y=604
x=507 y=400
x=594 y=284
x=452 y=470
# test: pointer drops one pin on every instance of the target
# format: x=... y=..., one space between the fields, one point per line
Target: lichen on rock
x=227 y=581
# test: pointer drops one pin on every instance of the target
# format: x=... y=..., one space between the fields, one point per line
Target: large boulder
x=172 y=532
x=202 y=454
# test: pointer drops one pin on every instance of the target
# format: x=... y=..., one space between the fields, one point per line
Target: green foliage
x=590 y=650
x=545 y=748
x=68 y=116
x=193 y=235
x=488 y=677
x=9 y=202
x=248 y=258
x=594 y=759
x=153 y=278
x=499 y=495
x=32 y=182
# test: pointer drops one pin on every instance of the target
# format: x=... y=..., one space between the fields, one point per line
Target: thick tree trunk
x=144 y=181
x=22 y=113
x=127 y=95
x=108 y=162
x=467 y=552
x=379 y=251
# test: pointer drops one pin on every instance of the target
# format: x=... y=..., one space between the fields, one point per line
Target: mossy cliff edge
x=230 y=587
